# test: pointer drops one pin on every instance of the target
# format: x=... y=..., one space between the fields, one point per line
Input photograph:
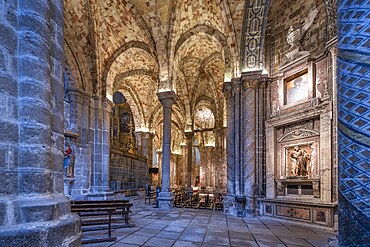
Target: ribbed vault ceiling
x=140 y=46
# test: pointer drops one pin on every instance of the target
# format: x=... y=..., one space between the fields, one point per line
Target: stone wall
x=282 y=16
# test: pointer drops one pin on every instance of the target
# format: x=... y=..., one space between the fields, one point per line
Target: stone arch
x=253 y=33
x=72 y=67
x=211 y=31
x=134 y=103
x=205 y=101
x=132 y=44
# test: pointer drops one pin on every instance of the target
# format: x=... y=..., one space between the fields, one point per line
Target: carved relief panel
x=298 y=171
x=298 y=154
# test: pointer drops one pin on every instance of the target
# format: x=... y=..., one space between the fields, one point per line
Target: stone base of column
x=229 y=205
x=240 y=206
x=42 y=221
x=250 y=207
x=64 y=232
x=165 y=200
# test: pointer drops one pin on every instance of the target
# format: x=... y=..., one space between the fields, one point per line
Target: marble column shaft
x=184 y=166
x=228 y=92
x=165 y=199
x=189 y=145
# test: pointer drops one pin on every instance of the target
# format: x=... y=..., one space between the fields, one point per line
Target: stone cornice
x=306 y=113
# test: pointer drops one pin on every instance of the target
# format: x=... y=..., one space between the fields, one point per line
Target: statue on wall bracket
x=69 y=158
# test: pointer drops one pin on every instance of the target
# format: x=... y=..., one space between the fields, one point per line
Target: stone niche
x=297 y=159
x=299 y=143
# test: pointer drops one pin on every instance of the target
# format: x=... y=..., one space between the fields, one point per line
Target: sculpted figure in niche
x=311 y=166
x=300 y=160
x=68 y=162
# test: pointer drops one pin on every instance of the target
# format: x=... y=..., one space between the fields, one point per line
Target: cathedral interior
x=261 y=105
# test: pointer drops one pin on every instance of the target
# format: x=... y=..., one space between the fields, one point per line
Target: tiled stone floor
x=183 y=227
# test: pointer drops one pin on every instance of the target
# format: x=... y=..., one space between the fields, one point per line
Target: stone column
x=159 y=154
x=189 y=143
x=80 y=103
x=248 y=160
x=33 y=209
x=209 y=171
x=253 y=101
x=353 y=122
x=219 y=160
x=183 y=172
x=325 y=156
x=203 y=167
x=107 y=109
x=231 y=145
x=173 y=170
x=228 y=92
x=165 y=199
x=145 y=145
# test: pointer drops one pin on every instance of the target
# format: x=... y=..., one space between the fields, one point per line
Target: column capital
x=227 y=89
x=253 y=79
x=189 y=134
x=167 y=98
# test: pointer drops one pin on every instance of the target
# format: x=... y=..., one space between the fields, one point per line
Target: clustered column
x=184 y=165
x=165 y=199
x=244 y=104
x=353 y=122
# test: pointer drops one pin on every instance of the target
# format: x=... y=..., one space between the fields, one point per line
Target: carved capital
x=189 y=135
x=167 y=98
x=227 y=89
x=253 y=79
x=250 y=84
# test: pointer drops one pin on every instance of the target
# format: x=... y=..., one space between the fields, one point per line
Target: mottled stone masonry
x=283 y=14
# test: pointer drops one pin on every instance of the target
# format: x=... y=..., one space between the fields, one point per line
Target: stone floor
x=183 y=227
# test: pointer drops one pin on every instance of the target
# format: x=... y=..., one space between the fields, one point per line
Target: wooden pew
x=98 y=213
x=151 y=195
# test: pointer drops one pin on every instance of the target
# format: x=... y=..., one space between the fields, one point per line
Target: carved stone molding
x=331 y=18
x=254 y=26
x=227 y=89
x=298 y=134
x=250 y=84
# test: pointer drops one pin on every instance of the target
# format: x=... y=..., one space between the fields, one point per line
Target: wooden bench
x=206 y=203
x=180 y=199
x=193 y=202
x=95 y=213
x=151 y=195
